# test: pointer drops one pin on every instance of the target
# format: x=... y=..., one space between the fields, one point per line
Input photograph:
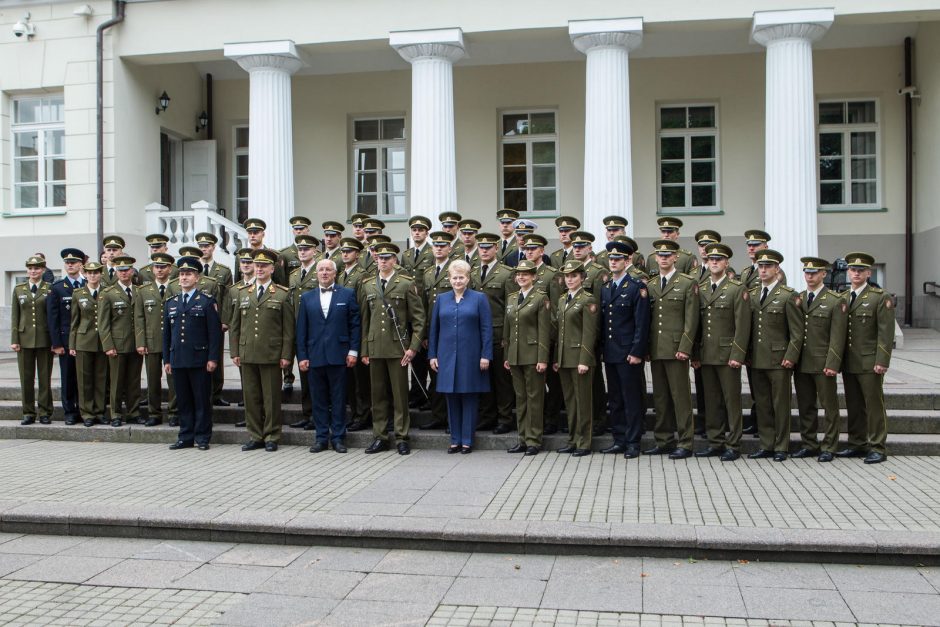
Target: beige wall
x=927 y=127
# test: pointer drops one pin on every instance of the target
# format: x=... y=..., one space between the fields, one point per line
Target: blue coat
x=59 y=312
x=625 y=325
x=327 y=341
x=461 y=335
x=192 y=334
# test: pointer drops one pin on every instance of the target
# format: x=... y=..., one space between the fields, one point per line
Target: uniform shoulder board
x=106 y=288
x=280 y=287
x=755 y=289
x=688 y=276
x=242 y=286
x=875 y=290
x=210 y=278
x=733 y=281
x=281 y=250
x=683 y=250
x=786 y=288
x=173 y=281
x=146 y=283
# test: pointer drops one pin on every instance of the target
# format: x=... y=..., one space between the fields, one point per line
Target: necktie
x=467 y=257
x=437 y=272
x=205 y=268
x=34 y=289
x=162 y=291
x=128 y=290
x=110 y=273
x=521 y=298
x=521 y=255
x=564 y=255
x=303 y=275
x=74 y=285
x=483 y=273
x=94 y=294
x=505 y=244
x=385 y=282
x=714 y=287
x=853 y=299
x=260 y=292
x=812 y=297
x=763 y=295
x=185 y=299
x=568 y=300
x=664 y=283
x=417 y=252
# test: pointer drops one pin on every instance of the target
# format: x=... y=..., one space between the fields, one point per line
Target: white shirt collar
x=771 y=287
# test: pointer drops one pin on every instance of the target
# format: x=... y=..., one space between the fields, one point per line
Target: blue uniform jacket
x=625 y=325
x=192 y=335
x=326 y=341
x=59 y=311
x=460 y=336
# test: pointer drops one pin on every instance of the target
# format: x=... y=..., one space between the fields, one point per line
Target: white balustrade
x=181 y=228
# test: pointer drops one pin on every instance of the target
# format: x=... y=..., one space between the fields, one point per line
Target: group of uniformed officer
x=556 y=319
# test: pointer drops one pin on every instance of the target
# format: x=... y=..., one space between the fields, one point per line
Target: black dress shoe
x=252 y=445
x=141 y=420
x=300 y=424
x=70 y=420
x=91 y=422
x=659 y=450
x=632 y=452
x=566 y=449
x=318 y=447
x=288 y=387
x=614 y=449
x=221 y=402
x=377 y=446
x=203 y=446
x=825 y=456
x=241 y=403
x=240 y=423
x=875 y=458
x=339 y=447
x=45 y=420
x=270 y=447
x=518 y=448
x=804 y=453
x=680 y=453
x=501 y=429
x=180 y=444
x=550 y=429
x=750 y=430
x=780 y=456
x=175 y=422
x=730 y=455
x=580 y=452
x=153 y=422
x=310 y=426
x=851 y=452
x=27 y=420
x=453 y=449
x=404 y=448
x=356 y=425
x=143 y=402
x=116 y=422
x=466 y=450
x=760 y=454
x=711 y=451
x=434 y=424
x=531 y=450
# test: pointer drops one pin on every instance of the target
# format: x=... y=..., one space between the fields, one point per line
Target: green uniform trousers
x=359 y=393
x=809 y=389
x=672 y=399
x=388 y=375
x=865 y=402
x=35 y=362
x=124 y=370
x=496 y=405
x=261 y=384
x=721 y=386
x=218 y=382
x=578 y=393
x=771 y=390
x=92 y=373
x=529 y=386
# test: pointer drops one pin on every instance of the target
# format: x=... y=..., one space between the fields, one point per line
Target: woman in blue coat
x=460 y=348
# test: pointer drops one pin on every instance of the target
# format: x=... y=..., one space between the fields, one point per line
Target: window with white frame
x=38 y=130
x=848 y=154
x=380 y=167
x=240 y=172
x=528 y=158
x=688 y=158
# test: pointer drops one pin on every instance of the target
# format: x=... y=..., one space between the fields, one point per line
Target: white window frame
x=236 y=153
x=846 y=131
x=378 y=145
x=528 y=140
x=687 y=134
x=41 y=128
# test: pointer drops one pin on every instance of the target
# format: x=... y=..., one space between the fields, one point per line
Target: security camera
x=24 y=27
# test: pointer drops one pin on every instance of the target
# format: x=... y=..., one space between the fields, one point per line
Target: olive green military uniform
x=457 y=248
x=417 y=265
x=724 y=334
x=435 y=283
x=512 y=248
x=496 y=405
x=751 y=278
x=825 y=321
x=300 y=283
x=638 y=262
x=91 y=364
x=686 y=263
x=382 y=339
x=223 y=277
x=108 y=276
x=528 y=337
x=148 y=328
x=776 y=335
x=560 y=256
x=31 y=332
x=596 y=277
x=358 y=386
x=870 y=340
x=575 y=344
x=547 y=280
x=674 y=321
x=262 y=333
x=145 y=274
x=116 y=328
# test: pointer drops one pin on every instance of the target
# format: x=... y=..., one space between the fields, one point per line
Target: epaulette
x=734 y=281
x=211 y=278
x=146 y=283
x=173 y=280
x=688 y=276
x=683 y=250
x=280 y=287
x=875 y=290
x=243 y=286
x=281 y=250
x=786 y=288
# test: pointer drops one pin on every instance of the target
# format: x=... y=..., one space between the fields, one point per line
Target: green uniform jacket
x=577 y=330
x=546 y=280
x=83 y=332
x=434 y=287
x=145 y=275
x=725 y=324
x=776 y=327
x=28 y=316
x=298 y=288
x=674 y=316
x=379 y=336
x=416 y=268
x=457 y=249
x=870 y=331
x=556 y=257
x=351 y=279
x=497 y=287
x=824 y=328
x=528 y=328
x=230 y=302
x=597 y=277
x=751 y=279
x=686 y=263
x=511 y=249
x=116 y=319
x=262 y=331
x=148 y=317
x=638 y=261
x=203 y=284
x=222 y=275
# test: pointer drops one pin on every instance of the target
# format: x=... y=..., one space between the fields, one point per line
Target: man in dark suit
x=59 y=319
x=192 y=350
x=328 y=338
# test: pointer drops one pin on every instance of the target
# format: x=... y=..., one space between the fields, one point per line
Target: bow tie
x=325 y=290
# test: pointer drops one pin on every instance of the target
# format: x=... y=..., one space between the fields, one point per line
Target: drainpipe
x=908 y=184
x=118 y=14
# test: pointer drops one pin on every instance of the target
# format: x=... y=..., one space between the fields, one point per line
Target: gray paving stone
x=552 y=532
x=908 y=542
x=500 y=531
x=184 y=550
x=180 y=518
x=931 y=574
x=596 y=594
x=6 y=537
x=402 y=588
x=105 y=515
x=139 y=573
x=633 y=534
x=830 y=540
x=715 y=537
x=782 y=575
x=793 y=604
x=627 y=568
x=339 y=558
x=495 y=591
x=260 y=555
x=497 y=565
x=64 y=568
x=364 y=612
x=445 y=511
x=878 y=579
x=401 y=527
x=384 y=495
x=686 y=572
x=11 y=562
x=258 y=522
x=111 y=547
x=226 y=578
x=39 y=511
x=894 y=608
x=369 y=509
x=675 y=597
x=347 y=525
x=40 y=544
x=465 y=497
x=275 y=609
x=313 y=582
x=411 y=562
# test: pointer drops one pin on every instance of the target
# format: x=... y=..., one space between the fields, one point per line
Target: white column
x=270 y=150
x=433 y=153
x=790 y=197
x=608 y=167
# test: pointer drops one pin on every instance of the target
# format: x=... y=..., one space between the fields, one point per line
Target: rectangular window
x=688 y=158
x=240 y=172
x=380 y=167
x=848 y=155
x=38 y=130
x=528 y=161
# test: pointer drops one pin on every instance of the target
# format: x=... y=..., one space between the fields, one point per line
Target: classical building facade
x=731 y=114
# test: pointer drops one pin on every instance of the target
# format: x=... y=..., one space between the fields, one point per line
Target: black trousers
x=626 y=391
x=194 y=403
x=69 y=382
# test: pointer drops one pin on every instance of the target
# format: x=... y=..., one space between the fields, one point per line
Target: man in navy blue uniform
x=625 y=328
x=328 y=338
x=192 y=350
x=59 y=320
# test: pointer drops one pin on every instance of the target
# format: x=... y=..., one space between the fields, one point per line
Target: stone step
x=898 y=444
